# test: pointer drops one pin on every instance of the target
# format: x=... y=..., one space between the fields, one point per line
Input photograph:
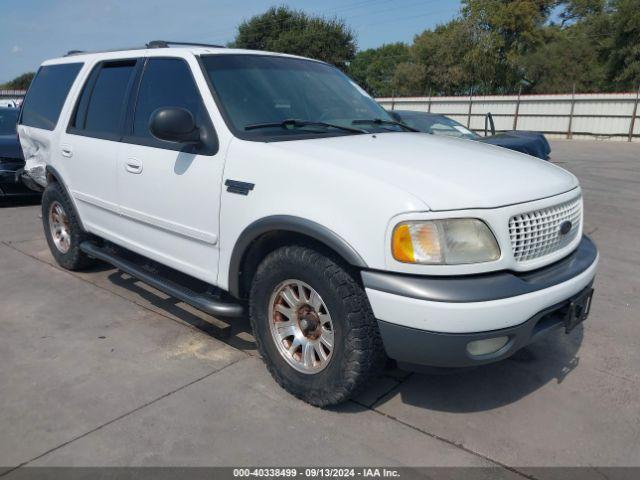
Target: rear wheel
x=313 y=325
x=62 y=229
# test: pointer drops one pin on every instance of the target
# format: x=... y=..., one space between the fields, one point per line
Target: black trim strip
x=202 y=302
x=287 y=223
x=241 y=188
x=483 y=287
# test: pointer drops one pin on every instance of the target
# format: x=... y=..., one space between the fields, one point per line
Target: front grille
x=537 y=233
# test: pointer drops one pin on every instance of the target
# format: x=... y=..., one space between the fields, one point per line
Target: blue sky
x=34 y=30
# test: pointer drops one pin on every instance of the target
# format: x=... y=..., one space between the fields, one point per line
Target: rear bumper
x=11 y=184
x=430 y=320
x=16 y=190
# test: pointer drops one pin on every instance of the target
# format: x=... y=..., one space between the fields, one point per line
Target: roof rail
x=167 y=44
x=71 y=53
x=151 y=44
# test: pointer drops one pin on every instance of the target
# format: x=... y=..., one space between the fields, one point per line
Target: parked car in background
x=531 y=143
x=11 y=158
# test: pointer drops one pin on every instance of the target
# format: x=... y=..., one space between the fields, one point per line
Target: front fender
x=287 y=223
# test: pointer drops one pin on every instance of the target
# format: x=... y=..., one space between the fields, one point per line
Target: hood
x=531 y=143
x=10 y=147
x=445 y=173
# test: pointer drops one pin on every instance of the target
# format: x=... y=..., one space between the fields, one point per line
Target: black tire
x=74 y=258
x=358 y=353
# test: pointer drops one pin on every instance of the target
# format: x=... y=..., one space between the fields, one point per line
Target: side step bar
x=203 y=302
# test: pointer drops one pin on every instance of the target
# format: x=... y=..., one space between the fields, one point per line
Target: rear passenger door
x=91 y=145
x=169 y=193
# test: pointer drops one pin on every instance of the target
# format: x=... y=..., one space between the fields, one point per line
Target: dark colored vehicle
x=11 y=158
x=531 y=143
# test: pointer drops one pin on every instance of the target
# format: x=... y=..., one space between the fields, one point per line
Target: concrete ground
x=97 y=369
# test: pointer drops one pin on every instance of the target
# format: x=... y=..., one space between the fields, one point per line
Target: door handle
x=66 y=151
x=133 y=165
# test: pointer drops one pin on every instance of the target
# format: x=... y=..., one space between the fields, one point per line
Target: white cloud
x=16 y=49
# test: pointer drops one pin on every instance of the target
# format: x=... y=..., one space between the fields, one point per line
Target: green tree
x=281 y=29
x=409 y=79
x=21 y=82
x=437 y=51
x=375 y=69
x=623 y=57
x=566 y=58
x=505 y=31
x=453 y=59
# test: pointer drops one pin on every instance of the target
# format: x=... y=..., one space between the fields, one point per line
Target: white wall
x=595 y=115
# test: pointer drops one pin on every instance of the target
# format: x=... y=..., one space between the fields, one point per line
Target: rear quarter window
x=47 y=94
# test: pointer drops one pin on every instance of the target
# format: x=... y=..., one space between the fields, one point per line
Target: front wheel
x=313 y=325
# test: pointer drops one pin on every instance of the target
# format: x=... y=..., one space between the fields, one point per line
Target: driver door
x=169 y=194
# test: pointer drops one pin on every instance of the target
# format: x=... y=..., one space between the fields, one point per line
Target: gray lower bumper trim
x=413 y=348
x=484 y=287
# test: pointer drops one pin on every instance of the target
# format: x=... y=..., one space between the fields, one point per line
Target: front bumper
x=430 y=320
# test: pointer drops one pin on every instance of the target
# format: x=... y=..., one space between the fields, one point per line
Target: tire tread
x=364 y=356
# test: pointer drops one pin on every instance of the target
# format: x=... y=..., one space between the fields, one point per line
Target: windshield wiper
x=294 y=123
x=380 y=121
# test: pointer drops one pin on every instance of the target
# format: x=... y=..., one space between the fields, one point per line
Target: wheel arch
x=53 y=175
x=265 y=235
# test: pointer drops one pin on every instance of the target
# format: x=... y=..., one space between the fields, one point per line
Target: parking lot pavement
x=98 y=369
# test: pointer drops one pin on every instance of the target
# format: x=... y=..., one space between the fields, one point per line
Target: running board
x=203 y=302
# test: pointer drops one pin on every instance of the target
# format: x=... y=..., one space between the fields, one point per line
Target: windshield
x=259 y=93
x=438 y=125
x=8 y=119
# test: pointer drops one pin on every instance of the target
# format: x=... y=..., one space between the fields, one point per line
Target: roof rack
x=167 y=44
x=151 y=44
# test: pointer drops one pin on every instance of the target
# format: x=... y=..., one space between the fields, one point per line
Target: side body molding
x=287 y=223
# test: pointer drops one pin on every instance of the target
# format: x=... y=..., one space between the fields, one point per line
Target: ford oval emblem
x=565 y=227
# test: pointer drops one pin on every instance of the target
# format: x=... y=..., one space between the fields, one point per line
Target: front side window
x=47 y=94
x=257 y=90
x=166 y=82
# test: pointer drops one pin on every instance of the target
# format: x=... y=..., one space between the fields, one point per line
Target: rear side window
x=102 y=105
x=166 y=82
x=47 y=94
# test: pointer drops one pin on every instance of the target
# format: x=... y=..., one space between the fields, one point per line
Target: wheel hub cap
x=59 y=227
x=301 y=326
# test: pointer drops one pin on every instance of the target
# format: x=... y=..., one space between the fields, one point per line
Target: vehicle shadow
x=491 y=386
x=236 y=332
x=464 y=390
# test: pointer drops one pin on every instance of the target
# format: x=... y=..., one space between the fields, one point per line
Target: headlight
x=452 y=241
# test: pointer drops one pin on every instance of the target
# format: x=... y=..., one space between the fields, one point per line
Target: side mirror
x=174 y=124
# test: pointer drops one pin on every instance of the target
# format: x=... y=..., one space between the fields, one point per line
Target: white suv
x=273 y=182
